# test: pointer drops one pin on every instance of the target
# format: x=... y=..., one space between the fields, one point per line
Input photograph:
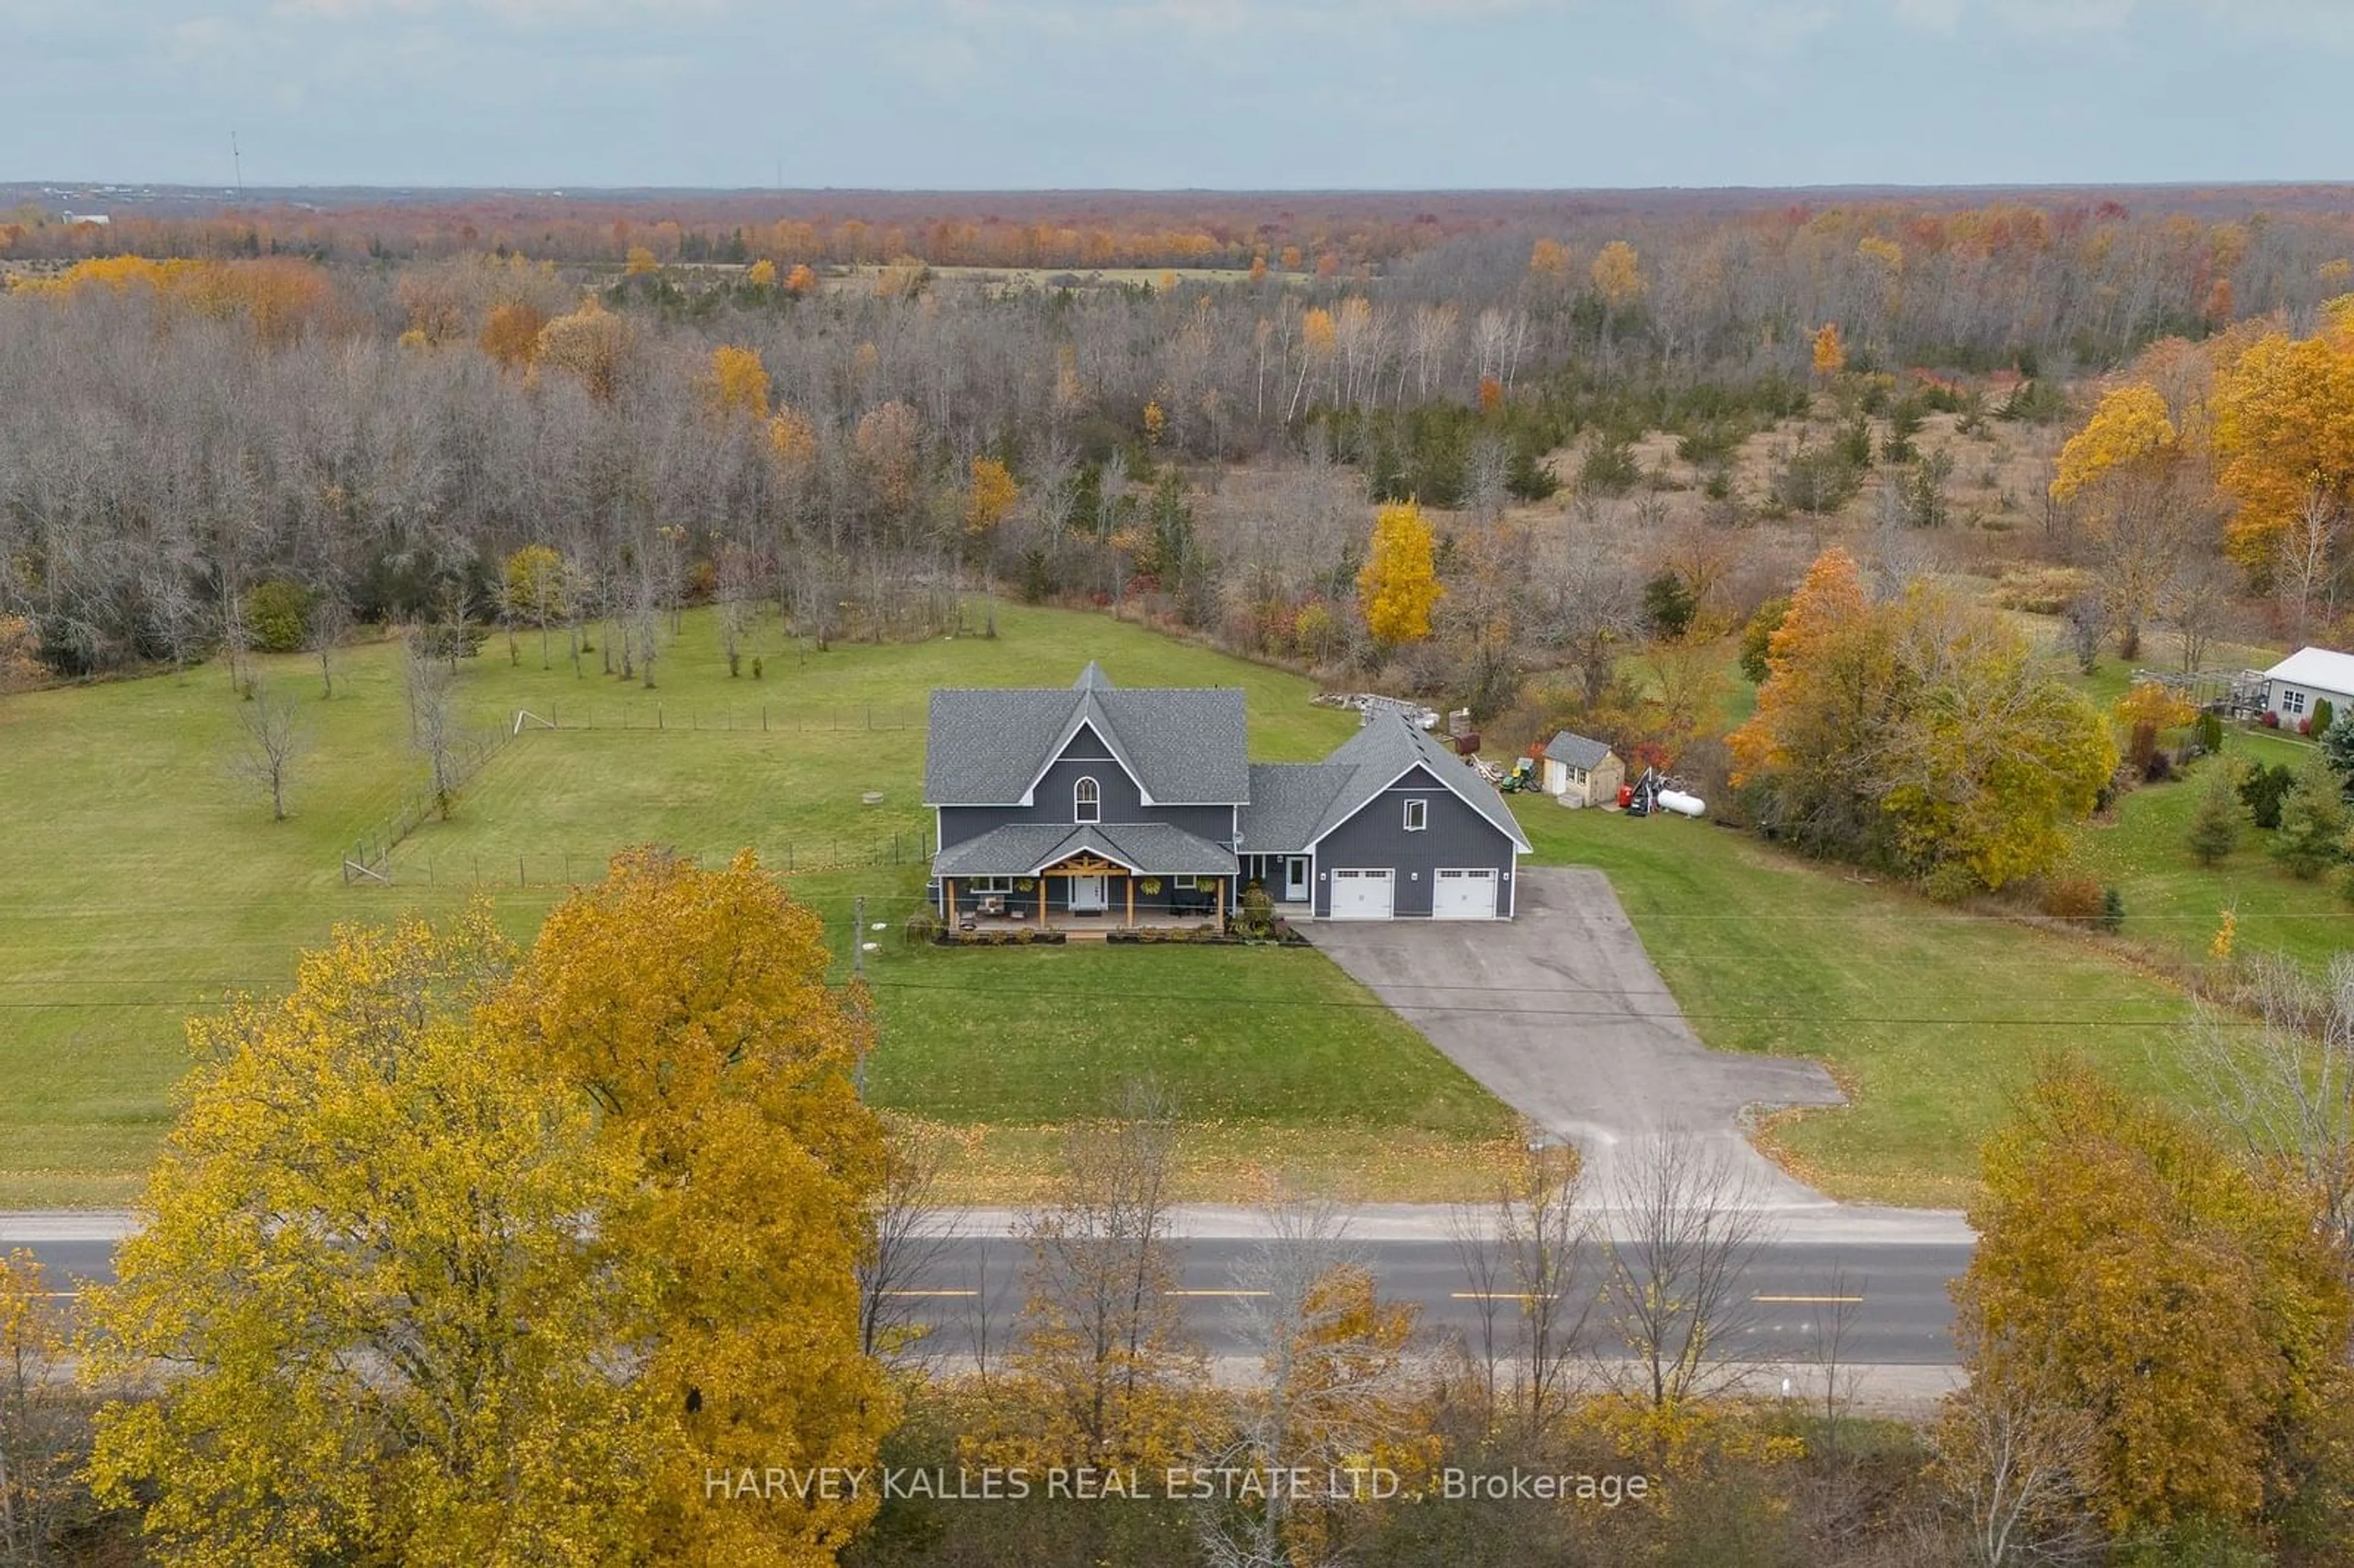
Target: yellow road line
x=1494 y=1296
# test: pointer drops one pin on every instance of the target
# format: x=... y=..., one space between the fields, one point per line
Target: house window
x=1087 y=802
x=1184 y=882
x=1418 y=815
x=2291 y=702
x=989 y=883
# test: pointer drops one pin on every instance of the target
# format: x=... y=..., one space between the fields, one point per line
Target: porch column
x=1130 y=880
x=948 y=896
x=1042 y=901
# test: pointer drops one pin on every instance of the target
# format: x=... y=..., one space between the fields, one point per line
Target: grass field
x=2174 y=904
x=139 y=884
x=1929 y=1018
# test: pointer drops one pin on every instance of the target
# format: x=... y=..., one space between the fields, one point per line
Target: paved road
x=1561 y=1014
x=1896 y=1262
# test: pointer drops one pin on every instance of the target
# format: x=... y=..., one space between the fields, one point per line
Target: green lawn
x=2173 y=904
x=1930 y=1018
x=137 y=884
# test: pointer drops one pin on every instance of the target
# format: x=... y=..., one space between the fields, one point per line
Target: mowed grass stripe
x=135 y=873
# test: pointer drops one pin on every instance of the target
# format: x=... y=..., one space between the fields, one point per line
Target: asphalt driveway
x=1561 y=1014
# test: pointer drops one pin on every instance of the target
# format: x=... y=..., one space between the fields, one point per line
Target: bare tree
x=2286 y=1087
x=2013 y=1453
x=2306 y=560
x=326 y=627
x=429 y=684
x=1336 y=1381
x=734 y=585
x=1101 y=1335
x=271 y=741
x=913 y=1231
x=1527 y=1247
x=2194 y=604
x=1596 y=603
x=1686 y=1226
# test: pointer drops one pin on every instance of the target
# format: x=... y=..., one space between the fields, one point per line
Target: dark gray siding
x=1375 y=837
x=1087 y=758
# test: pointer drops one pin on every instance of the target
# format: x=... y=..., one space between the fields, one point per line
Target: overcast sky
x=1160 y=93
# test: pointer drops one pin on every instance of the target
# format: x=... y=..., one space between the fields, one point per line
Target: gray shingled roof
x=1186 y=745
x=1576 y=750
x=1386 y=748
x=1286 y=803
x=1026 y=849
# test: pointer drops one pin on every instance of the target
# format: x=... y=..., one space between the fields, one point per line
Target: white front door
x=1087 y=894
x=1295 y=879
x=1463 y=895
x=1362 y=894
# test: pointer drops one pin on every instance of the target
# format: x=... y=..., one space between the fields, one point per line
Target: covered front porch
x=1085 y=893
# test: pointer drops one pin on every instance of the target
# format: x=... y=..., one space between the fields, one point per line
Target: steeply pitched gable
x=1184 y=746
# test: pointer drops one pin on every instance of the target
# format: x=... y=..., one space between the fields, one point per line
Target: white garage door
x=1361 y=894
x=1464 y=895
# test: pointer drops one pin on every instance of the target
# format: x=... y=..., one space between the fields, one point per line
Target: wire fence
x=755 y=718
x=503 y=867
x=370 y=856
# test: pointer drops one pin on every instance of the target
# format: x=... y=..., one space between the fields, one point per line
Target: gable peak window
x=1418 y=815
x=1087 y=801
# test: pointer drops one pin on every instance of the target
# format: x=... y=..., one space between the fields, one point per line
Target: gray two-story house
x=1096 y=805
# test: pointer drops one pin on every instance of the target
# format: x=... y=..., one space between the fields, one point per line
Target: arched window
x=1087 y=802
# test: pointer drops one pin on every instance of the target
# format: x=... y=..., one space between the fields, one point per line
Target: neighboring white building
x=2305 y=677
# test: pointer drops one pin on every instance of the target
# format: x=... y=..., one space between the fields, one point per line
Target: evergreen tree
x=2312 y=822
x=2215 y=822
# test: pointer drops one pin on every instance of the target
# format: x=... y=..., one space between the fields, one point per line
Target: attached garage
x=1363 y=895
x=1469 y=894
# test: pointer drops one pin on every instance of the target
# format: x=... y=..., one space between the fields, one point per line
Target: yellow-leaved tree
x=2130 y=426
x=1830 y=353
x=2137 y=1274
x=992 y=496
x=692 y=1008
x=2285 y=439
x=740 y=383
x=363 y=1258
x=536 y=585
x=1399 y=582
x=1919 y=733
x=1617 y=275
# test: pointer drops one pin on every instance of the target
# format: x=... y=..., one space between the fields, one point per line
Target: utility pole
x=858 y=976
x=236 y=165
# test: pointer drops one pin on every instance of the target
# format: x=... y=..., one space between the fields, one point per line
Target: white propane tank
x=1681 y=804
